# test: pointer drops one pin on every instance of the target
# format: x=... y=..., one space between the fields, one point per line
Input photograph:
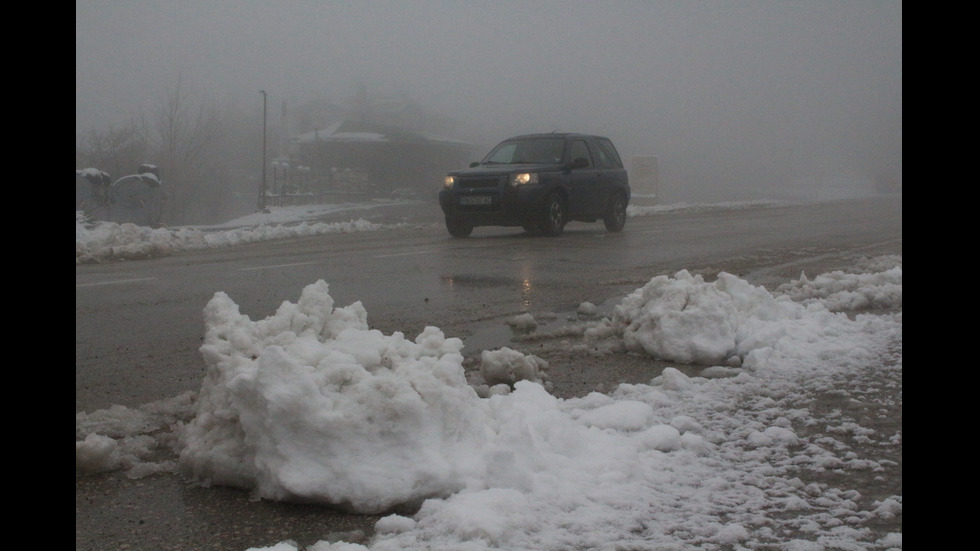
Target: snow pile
x=686 y=320
x=879 y=287
x=310 y=404
x=106 y=241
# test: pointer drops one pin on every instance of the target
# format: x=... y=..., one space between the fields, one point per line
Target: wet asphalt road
x=163 y=513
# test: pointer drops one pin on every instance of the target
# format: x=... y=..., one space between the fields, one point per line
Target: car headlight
x=524 y=178
x=449 y=182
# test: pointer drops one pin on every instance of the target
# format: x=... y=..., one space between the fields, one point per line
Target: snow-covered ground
x=97 y=241
x=310 y=404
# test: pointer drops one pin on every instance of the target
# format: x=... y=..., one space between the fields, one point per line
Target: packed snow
x=102 y=241
x=309 y=404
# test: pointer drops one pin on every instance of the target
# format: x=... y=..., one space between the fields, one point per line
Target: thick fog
x=737 y=100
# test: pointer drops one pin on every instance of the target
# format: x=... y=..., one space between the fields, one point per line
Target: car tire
x=615 y=220
x=553 y=216
x=458 y=228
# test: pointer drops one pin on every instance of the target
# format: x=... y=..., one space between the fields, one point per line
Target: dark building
x=354 y=156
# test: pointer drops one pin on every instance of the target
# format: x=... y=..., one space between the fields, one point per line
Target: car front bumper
x=512 y=206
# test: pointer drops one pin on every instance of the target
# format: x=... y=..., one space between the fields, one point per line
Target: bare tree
x=187 y=136
x=116 y=150
x=205 y=155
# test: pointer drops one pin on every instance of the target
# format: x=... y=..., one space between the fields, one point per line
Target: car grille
x=473 y=183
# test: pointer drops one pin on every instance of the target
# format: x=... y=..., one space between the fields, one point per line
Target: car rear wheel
x=553 y=219
x=458 y=228
x=615 y=220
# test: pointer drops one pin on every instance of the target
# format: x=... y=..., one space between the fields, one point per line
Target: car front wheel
x=553 y=220
x=615 y=220
x=458 y=228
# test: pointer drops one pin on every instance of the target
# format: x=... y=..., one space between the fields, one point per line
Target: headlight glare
x=449 y=182
x=524 y=178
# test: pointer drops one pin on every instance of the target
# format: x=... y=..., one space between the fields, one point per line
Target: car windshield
x=528 y=150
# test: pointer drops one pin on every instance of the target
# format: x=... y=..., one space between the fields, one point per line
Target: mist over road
x=139 y=323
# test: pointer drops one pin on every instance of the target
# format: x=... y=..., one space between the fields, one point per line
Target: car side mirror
x=578 y=162
x=474 y=163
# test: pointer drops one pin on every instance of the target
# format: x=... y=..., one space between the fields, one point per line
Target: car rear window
x=608 y=153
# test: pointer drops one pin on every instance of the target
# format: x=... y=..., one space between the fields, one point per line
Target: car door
x=583 y=183
x=611 y=176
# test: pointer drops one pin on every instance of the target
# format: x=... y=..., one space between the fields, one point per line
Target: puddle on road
x=470 y=280
x=497 y=333
x=572 y=372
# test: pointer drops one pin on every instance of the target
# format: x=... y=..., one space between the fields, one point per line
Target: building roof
x=365 y=132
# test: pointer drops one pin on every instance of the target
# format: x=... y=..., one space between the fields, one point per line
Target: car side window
x=579 y=149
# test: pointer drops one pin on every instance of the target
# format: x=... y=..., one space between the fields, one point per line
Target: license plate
x=476 y=200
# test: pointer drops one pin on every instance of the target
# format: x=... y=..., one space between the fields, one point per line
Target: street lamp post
x=262 y=189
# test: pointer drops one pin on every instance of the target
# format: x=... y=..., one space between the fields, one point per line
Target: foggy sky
x=729 y=95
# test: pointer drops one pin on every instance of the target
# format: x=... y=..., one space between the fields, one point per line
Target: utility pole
x=262 y=189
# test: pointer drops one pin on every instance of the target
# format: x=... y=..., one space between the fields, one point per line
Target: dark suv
x=539 y=182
